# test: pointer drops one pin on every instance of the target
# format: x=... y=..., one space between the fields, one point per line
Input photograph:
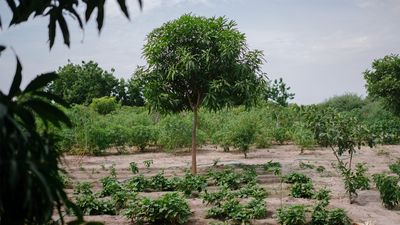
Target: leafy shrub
x=110 y=186
x=148 y=163
x=292 y=215
x=319 y=215
x=190 y=183
x=170 y=208
x=243 y=133
x=303 y=137
x=160 y=183
x=274 y=167
x=232 y=210
x=338 y=216
x=134 y=167
x=104 y=105
x=227 y=178
x=137 y=183
x=302 y=190
x=175 y=131
x=281 y=134
x=395 y=167
x=252 y=190
x=89 y=204
x=355 y=180
x=295 y=177
x=141 y=136
x=389 y=189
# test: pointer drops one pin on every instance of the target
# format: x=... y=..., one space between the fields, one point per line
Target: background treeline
x=107 y=112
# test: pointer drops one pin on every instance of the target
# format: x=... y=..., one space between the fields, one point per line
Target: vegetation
x=215 y=68
x=383 y=81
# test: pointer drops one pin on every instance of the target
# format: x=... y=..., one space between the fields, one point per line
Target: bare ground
x=367 y=207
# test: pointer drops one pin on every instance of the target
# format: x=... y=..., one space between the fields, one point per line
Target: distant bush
x=104 y=105
x=175 y=131
x=346 y=102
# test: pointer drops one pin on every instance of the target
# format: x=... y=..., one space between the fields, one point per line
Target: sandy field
x=367 y=208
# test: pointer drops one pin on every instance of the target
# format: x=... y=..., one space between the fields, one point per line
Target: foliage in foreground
x=170 y=208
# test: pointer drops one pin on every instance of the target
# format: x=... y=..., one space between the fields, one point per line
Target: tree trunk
x=194 y=126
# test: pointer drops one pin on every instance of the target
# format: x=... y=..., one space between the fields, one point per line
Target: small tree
x=383 y=81
x=277 y=91
x=196 y=61
x=342 y=132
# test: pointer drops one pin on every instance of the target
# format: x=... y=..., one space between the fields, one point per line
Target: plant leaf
x=123 y=7
x=40 y=81
x=14 y=90
x=48 y=112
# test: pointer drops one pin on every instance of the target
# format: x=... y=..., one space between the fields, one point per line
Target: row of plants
x=237 y=198
x=235 y=128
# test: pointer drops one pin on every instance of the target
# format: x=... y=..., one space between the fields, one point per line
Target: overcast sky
x=319 y=47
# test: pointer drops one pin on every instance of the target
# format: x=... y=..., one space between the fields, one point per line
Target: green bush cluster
x=171 y=208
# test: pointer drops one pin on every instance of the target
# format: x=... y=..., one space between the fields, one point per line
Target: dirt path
x=368 y=206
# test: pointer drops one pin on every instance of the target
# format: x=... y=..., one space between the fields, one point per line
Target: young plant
x=295 y=177
x=389 y=189
x=191 y=183
x=338 y=216
x=395 y=167
x=169 y=209
x=302 y=190
x=343 y=132
x=292 y=215
x=148 y=163
x=134 y=167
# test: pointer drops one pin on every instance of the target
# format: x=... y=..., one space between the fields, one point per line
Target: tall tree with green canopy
x=383 y=81
x=196 y=62
x=79 y=84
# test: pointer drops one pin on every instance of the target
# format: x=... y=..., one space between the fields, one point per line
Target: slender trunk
x=194 y=164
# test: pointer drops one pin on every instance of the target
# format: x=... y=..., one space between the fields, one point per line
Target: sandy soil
x=367 y=207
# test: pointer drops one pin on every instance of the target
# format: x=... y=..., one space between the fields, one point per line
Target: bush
x=90 y=204
x=395 y=167
x=104 y=105
x=190 y=183
x=175 y=131
x=338 y=216
x=294 y=177
x=292 y=215
x=141 y=136
x=389 y=189
x=170 y=208
x=303 y=137
x=302 y=190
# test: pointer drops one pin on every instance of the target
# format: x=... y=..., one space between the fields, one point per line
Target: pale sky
x=319 y=47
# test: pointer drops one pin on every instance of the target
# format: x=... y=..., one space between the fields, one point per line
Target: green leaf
x=15 y=90
x=64 y=28
x=2 y=47
x=100 y=14
x=40 y=81
x=48 y=112
x=52 y=96
x=52 y=28
x=123 y=7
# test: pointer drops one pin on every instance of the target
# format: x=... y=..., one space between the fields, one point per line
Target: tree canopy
x=79 y=84
x=383 y=81
x=195 y=62
x=277 y=91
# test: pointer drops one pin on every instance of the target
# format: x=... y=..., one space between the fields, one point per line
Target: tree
x=79 y=84
x=30 y=187
x=277 y=91
x=383 y=81
x=198 y=62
